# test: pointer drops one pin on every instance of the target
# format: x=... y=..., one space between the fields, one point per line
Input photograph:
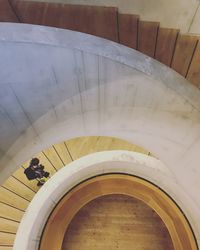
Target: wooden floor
x=117 y=222
x=17 y=192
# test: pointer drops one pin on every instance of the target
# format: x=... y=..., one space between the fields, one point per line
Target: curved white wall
x=57 y=84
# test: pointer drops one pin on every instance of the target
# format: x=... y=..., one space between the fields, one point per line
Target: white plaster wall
x=195 y=25
x=180 y=14
x=31 y=226
x=57 y=84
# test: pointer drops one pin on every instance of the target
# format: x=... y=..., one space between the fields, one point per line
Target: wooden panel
x=86 y=145
x=6 y=12
x=97 y=226
x=10 y=212
x=194 y=71
x=53 y=157
x=19 y=188
x=165 y=45
x=128 y=29
x=29 y=12
x=6 y=238
x=147 y=36
x=49 y=167
x=19 y=174
x=99 y=21
x=79 y=147
x=62 y=152
x=12 y=199
x=109 y=143
x=6 y=248
x=185 y=47
x=8 y=225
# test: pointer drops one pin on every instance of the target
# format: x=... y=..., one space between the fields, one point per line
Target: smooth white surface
x=147 y=167
x=57 y=84
x=195 y=25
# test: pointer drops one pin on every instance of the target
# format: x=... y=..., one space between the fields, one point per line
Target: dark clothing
x=30 y=173
x=34 y=172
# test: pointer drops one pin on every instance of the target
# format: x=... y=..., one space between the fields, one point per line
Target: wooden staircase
x=179 y=51
x=17 y=191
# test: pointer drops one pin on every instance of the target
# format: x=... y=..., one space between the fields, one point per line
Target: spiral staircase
x=179 y=51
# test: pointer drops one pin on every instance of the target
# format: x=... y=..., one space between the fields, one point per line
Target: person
x=35 y=170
